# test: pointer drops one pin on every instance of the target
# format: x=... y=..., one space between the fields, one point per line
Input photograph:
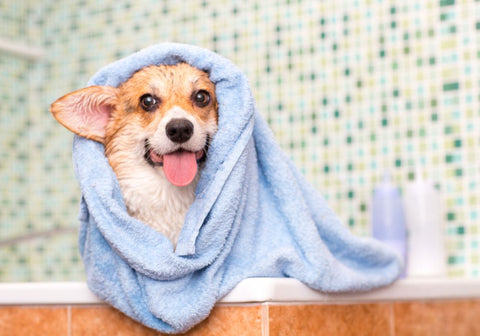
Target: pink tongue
x=180 y=168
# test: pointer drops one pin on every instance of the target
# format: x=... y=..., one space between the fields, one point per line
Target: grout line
x=69 y=310
x=265 y=319
x=392 y=320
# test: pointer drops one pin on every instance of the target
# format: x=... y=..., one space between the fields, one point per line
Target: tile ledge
x=256 y=290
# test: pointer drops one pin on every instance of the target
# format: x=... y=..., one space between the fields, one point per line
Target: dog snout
x=179 y=130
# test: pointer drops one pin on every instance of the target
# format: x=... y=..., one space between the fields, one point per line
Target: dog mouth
x=180 y=166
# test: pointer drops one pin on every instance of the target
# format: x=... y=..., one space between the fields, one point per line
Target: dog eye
x=201 y=98
x=148 y=102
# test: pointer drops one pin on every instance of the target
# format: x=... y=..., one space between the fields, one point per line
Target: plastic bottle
x=388 y=219
x=426 y=249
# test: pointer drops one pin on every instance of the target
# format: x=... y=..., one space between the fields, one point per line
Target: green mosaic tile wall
x=349 y=87
x=38 y=194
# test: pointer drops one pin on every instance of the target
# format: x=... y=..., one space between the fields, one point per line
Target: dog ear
x=87 y=111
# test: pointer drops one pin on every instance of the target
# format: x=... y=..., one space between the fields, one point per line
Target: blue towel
x=254 y=216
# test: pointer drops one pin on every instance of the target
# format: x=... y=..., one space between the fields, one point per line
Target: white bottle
x=423 y=213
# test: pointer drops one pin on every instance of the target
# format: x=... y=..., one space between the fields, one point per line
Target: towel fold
x=254 y=216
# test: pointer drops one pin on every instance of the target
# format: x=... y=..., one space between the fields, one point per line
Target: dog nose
x=179 y=130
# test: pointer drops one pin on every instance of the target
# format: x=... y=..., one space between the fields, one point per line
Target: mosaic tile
x=349 y=89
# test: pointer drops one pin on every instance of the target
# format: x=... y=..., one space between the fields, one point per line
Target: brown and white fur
x=134 y=122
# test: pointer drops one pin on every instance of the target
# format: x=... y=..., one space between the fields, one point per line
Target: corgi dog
x=156 y=128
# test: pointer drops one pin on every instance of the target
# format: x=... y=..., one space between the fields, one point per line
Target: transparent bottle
x=388 y=218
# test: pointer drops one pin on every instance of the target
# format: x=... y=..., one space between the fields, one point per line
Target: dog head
x=162 y=118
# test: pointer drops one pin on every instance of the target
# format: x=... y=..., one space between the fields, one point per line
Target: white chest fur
x=152 y=199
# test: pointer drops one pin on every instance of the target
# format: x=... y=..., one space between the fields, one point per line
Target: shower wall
x=39 y=195
x=350 y=88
